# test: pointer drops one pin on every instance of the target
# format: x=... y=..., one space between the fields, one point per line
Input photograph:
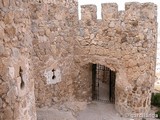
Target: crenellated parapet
x=141 y=11
x=132 y=24
x=109 y=11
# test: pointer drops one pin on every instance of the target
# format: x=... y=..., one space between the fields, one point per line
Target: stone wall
x=17 y=101
x=46 y=49
x=53 y=28
x=125 y=42
x=83 y=82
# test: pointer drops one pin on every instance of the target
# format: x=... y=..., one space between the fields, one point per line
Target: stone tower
x=46 y=54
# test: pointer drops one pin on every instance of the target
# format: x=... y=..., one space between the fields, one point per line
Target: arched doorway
x=83 y=83
x=103 y=83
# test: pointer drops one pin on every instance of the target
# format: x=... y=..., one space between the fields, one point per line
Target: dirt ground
x=81 y=111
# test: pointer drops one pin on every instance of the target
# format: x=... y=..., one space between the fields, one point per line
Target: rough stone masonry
x=46 y=54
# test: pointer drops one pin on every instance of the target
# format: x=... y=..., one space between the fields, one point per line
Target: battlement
x=133 y=10
x=89 y=12
x=109 y=11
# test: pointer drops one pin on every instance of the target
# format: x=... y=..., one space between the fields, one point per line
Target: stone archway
x=83 y=82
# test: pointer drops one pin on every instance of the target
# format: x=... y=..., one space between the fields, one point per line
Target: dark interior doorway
x=103 y=83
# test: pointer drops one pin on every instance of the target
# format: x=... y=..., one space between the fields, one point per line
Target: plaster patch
x=49 y=76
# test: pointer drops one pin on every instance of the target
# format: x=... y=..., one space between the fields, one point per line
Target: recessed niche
x=53 y=76
x=22 y=84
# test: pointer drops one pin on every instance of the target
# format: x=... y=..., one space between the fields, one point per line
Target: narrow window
x=21 y=75
x=53 y=77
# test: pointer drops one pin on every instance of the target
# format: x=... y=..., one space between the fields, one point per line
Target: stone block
x=8 y=19
x=89 y=13
x=10 y=31
x=6 y=3
x=15 y=53
x=1 y=49
x=1 y=103
x=109 y=11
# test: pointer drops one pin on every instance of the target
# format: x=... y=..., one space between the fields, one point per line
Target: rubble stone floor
x=93 y=111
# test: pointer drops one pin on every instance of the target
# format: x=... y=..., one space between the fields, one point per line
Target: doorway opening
x=103 y=83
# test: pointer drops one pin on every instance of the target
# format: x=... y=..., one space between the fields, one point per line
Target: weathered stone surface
x=6 y=3
x=8 y=19
x=1 y=103
x=37 y=37
x=4 y=88
x=10 y=31
x=15 y=52
x=2 y=33
x=1 y=49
